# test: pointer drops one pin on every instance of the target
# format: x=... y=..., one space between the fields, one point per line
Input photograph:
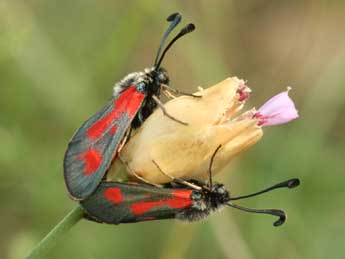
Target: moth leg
x=125 y=139
x=146 y=181
x=168 y=94
x=138 y=176
x=175 y=91
x=177 y=179
x=160 y=105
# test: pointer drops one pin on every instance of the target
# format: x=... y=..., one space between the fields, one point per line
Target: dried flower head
x=185 y=151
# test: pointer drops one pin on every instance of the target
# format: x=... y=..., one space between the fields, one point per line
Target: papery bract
x=185 y=151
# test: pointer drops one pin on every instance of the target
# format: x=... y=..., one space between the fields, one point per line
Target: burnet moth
x=95 y=144
x=116 y=203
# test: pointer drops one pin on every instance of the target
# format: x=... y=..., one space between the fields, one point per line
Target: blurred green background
x=59 y=61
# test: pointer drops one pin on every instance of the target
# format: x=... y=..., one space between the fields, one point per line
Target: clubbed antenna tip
x=293 y=183
x=188 y=28
x=174 y=16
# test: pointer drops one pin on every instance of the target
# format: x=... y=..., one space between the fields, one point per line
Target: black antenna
x=210 y=168
x=175 y=19
x=185 y=30
x=292 y=183
x=279 y=213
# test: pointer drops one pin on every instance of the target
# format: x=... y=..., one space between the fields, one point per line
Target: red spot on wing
x=92 y=159
x=129 y=101
x=113 y=130
x=182 y=200
x=184 y=194
x=136 y=100
x=113 y=194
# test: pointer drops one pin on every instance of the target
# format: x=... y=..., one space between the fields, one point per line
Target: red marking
x=129 y=101
x=113 y=194
x=180 y=201
x=136 y=100
x=184 y=194
x=92 y=159
x=113 y=130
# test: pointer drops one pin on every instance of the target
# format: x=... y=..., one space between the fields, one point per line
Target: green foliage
x=58 y=62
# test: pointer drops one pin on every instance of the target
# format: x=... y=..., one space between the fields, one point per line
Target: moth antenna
x=175 y=19
x=292 y=183
x=210 y=167
x=274 y=212
x=185 y=30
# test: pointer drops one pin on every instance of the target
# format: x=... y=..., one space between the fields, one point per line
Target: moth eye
x=162 y=77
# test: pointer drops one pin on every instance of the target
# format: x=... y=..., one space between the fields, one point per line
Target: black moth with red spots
x=116 y=203
x=96 y=143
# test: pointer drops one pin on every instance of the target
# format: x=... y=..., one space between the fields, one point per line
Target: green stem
x=52 y=237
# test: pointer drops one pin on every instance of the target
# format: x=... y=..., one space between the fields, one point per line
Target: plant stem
x=52 y=237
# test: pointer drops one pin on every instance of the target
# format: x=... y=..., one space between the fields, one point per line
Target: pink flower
x=277 y=110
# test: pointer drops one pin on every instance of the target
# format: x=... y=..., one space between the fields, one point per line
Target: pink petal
x=277 y=110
